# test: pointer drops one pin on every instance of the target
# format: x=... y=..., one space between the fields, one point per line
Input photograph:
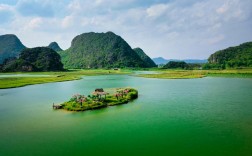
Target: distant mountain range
x=161 y=60
x=105 y=50
x=11 y=46
x=88 y=50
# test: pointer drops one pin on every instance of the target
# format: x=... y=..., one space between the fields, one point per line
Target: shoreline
x=194 y=74
x=16 y=82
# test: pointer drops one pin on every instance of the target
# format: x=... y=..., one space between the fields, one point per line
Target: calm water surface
x=209 y=116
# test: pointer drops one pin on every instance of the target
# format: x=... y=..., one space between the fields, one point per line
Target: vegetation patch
x=231 y=73
x=13 y=82
x=190 y=74
x=99 y=99
x=175 y=74
x=181 y=65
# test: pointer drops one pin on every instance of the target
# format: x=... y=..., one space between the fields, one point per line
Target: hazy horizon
x=172 y=29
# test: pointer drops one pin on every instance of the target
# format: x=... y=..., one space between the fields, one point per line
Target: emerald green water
x=209 y=116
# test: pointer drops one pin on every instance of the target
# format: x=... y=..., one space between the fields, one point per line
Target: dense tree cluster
x=34 y=59
x=181 y=65
x=174 y=64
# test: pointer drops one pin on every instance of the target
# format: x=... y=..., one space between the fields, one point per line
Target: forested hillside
x=232 y=57
x=34 y=59
x=148 y=61
x=100 y=50
x=10 y=46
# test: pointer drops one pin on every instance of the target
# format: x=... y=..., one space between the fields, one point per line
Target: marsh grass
x=13 y=82
x=190 y=74
x=239 y=73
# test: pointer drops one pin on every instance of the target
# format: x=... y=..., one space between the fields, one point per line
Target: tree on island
x=99 y=92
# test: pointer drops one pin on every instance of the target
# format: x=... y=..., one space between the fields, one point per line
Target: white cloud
x=75 y=5
x=4 y=7
x=67 y=21
x=157 y=10
x=173 y=29
x=216 y=39
x=35 y=23
x=113 y=3
x=224 y=8
x=6 y=13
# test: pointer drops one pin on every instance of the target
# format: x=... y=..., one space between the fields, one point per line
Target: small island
x=99 y=99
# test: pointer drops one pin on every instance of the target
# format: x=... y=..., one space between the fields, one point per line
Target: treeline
x=181 y=65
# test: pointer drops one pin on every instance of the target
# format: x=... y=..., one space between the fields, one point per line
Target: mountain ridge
x=161 y=60
x=34 y=59
x=10 y=46
x=100 y=50
x=232 y=57
x=54 y=46
x=148 y=61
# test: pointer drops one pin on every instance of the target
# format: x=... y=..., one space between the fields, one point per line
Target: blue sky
x=178 y=29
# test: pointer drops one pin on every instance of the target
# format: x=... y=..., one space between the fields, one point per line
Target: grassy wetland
x=191 y=74
x=13 y=80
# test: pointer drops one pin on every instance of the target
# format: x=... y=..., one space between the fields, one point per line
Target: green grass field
x=12 y=82
x=189 y=74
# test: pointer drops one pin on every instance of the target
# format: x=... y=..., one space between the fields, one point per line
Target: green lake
x=198 y=117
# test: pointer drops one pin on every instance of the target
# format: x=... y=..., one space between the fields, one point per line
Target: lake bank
x=191 y=74
x=9 y=80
